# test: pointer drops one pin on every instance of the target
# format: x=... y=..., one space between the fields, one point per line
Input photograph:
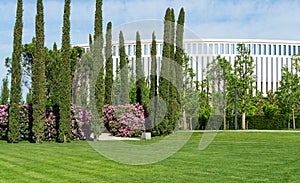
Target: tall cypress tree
x=164 y=78
x=38 y=77
x=4 y=92
x=142 y=96
x=153 y=83
x=98 y=58
x=65 y=78
x=124 y=94
x=91 y=43
x=173 y=93
x=179 y=55
x=15 y=95
x=109 y=65
x=141 y=92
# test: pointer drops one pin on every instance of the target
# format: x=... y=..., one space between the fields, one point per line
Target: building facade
x=270 y=56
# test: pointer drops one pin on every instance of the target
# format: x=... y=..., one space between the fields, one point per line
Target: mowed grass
x=231 y=157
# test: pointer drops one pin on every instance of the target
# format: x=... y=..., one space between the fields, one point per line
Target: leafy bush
x=124 y=120
x=269 y=109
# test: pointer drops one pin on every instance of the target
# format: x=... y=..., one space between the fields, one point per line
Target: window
x=161 y=48
x=129 y=49
x=194 y=48
x=290 y=50
x=205 y=48
x=134 y=49
x=216 y=48
x=270 y=49
x=114 y=51
x=254 y=49
x=199 y=48
x=265 y=49
x=222 y=48
x=143 y=64
x=117 y=64
x=284 y=49
x=298 y=49
x=274 y=49
x=188 y=48
x=132 y=66
x=197 y=79
x=145 y=49
x=232 y=49
x=294 y=50
x=267 y=64
x=227 y=49
x=210 y=48
x=279 y=49
x=259 y=49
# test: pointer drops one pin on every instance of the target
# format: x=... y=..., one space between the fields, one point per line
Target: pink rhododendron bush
x=124 y=120
x=79 y=122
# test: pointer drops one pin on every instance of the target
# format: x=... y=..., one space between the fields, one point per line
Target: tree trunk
x=224 y=119
x=244 y=120
x=191 y=123
x=294 y=123
x=184 y=118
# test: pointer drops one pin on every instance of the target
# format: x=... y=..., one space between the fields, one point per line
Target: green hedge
x=260 y=122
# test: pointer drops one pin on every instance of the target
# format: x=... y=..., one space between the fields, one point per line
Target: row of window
x=131 y=49
x=231 y=48
x=218 y=48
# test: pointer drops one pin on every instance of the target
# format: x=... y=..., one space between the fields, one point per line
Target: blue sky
x=258 y=19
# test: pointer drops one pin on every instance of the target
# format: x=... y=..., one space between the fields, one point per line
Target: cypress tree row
x=65 y=78
x=4 y=92
x=98 y=58
x=38 y=77
x=124 y=95
x=179 y=55
x=164 y=82
x=153 y=83
x=109 y=65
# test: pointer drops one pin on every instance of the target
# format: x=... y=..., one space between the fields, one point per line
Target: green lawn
x=232 y=157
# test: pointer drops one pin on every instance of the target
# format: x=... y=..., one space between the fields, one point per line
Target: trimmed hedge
x=260 y=122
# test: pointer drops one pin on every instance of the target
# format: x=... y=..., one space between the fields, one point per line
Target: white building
x=270 y=56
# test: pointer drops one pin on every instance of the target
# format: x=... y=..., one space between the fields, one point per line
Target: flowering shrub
x=124 y=120
x=3 y=120
x=79 y=118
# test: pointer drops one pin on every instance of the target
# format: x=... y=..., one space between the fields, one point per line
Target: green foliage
x=124 y=90
x=141 y=91
x=142 y=94
x=4 y=92
x=132 y=90
x=267 y=122
x=109 y=65
x=269 y=109
x=288 y=93
x=245 y=78
x=65 y=79
x=164 y=127
x=15 y=95
x=98 y=58
x=38 y=77
x=153 y=85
